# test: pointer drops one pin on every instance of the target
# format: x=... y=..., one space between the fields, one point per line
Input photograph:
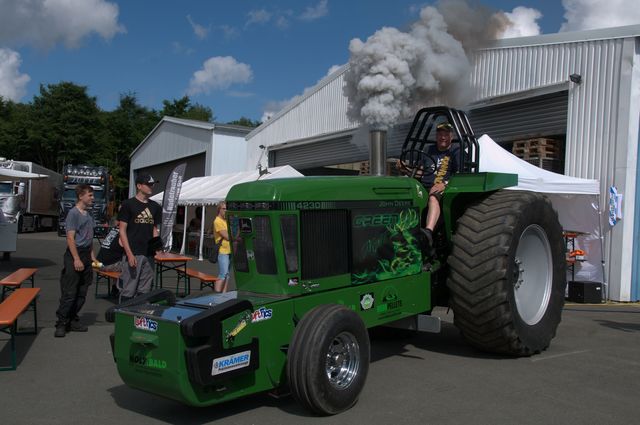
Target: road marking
x=558 y=355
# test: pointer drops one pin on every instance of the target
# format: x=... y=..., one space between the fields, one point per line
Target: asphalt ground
x=589 y=375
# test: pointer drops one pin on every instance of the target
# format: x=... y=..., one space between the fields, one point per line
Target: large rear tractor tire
x=507 y=273
x=328 y=359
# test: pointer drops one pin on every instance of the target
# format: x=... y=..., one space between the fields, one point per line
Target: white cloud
x=316 y=12
x=179 y=49
x=200 y=31
x=282 y=22
x=229 y=32
x=13 y=84
x=218 y=73
x=522 y=22
x=591 y=14
x=258 y=16
x=44 y=23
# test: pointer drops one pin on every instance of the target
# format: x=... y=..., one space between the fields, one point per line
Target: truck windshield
x=5 y=187
x=70 y=195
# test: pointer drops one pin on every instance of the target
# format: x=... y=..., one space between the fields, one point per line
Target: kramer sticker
x=145 y=324
x=229 y=363
x=293 y=281
x=261 y=314
x=367 y=301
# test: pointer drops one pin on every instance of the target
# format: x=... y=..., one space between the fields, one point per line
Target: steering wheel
x=417 y=164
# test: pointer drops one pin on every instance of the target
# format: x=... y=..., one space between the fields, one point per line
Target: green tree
x=246 y=122
x=63 y=126
x=182 y=108
x=124 y=129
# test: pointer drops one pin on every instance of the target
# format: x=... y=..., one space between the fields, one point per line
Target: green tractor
x=321 y=260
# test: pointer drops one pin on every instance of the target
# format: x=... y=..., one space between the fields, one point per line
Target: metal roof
x=238 y=129
x=568 y=37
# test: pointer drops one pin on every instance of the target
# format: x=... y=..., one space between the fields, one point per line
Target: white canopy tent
x=576 y=200
x=210 y=190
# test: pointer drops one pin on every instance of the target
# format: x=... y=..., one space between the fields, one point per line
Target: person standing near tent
x=139 y=218
x=221 y=237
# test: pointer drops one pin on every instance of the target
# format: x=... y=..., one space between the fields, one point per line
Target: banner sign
x=170 y=204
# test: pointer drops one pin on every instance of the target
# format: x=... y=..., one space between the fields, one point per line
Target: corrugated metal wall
x=591 y=121
x=323 y=112
x=596 y=141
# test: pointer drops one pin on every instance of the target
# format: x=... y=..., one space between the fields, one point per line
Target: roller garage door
x=319 y=153
x=539 y=116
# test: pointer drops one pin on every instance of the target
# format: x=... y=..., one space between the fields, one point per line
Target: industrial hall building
x=573 y=98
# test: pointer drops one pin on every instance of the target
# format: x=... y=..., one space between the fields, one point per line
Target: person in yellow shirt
x=220 y=233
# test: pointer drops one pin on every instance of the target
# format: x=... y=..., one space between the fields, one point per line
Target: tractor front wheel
x=328 y=359
x=507 y=273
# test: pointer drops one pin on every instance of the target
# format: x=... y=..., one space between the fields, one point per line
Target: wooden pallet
x=537 y=148
x=554 y=165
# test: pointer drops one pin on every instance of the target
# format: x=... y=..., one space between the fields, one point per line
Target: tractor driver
x=447 y=160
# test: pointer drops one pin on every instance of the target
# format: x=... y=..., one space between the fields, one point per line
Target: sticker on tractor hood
x=367 y=301
x=261 y=314
x=145 y=324
x=231 y=362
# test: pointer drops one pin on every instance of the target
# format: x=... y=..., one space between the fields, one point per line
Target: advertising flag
x=170 y=204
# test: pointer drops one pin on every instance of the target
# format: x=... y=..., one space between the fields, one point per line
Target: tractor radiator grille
x=326 y=244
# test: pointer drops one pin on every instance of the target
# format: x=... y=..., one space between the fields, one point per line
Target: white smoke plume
x=393 y=73
x=471 y=23
x=592 y=14
x=522 y=22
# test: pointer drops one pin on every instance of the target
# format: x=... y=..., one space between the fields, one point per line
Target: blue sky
x=241 y=58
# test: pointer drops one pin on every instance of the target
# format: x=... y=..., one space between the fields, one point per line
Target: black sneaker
x=76 y=326
x=61 y=331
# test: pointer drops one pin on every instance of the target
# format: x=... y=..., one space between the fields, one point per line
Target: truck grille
x=326 y=243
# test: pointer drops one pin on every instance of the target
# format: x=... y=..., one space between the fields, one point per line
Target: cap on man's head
x=146 y=179
x=444 y=126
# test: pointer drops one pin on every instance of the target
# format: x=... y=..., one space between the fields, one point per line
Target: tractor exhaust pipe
x=378 y=153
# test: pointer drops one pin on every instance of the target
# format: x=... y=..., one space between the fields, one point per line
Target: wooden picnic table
x=166 y=261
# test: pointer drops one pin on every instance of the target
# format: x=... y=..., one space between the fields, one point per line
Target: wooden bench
x=10 y=309
x=15 y=279
x=205 y=279
x=103 y=275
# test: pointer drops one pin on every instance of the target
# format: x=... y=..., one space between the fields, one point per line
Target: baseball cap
x=146 y=179
x=444 y=126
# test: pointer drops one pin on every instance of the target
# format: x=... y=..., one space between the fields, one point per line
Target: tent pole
x=601 y=237
x=184 y=230
x=204 y=218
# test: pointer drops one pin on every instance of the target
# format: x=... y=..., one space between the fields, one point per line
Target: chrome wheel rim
x=342 y=360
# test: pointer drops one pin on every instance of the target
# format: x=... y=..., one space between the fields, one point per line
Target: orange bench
x=10 y=309
x=102 y=275
x=15 y=279
x=205 y=279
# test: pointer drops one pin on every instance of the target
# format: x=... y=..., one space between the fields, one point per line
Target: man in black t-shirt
x=139 y=219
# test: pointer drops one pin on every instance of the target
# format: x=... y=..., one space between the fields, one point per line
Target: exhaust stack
x=378 y=153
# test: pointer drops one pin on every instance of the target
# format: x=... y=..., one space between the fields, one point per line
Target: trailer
x=33 y=203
